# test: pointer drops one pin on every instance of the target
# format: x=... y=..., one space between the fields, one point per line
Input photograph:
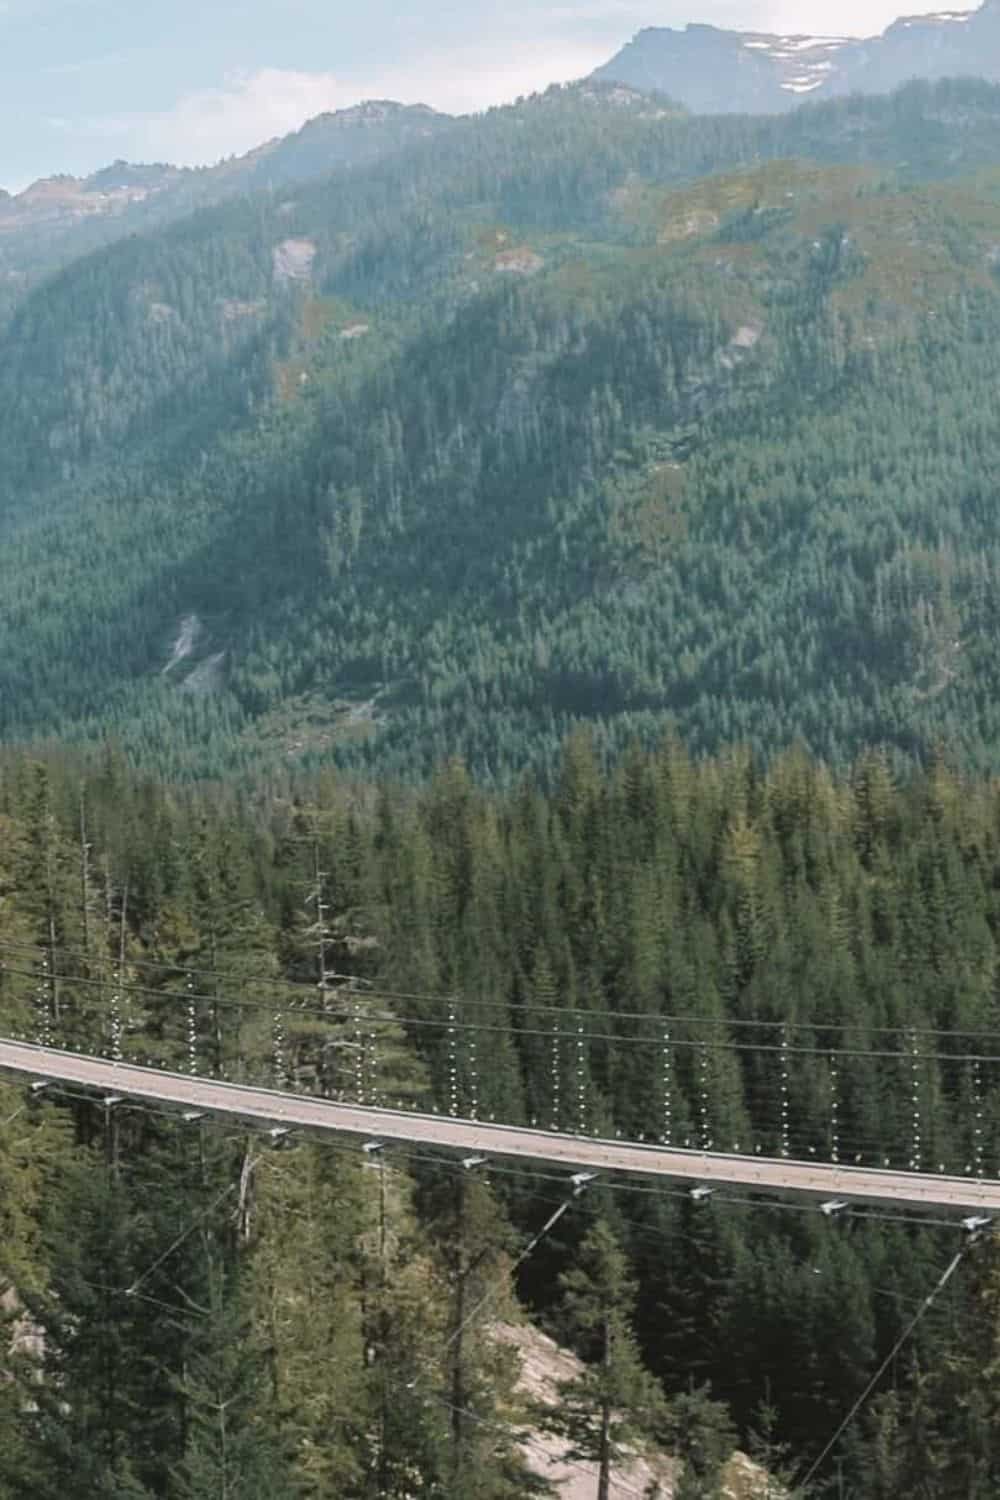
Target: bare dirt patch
x=519 y=262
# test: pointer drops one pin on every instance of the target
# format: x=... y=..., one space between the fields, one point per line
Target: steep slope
x=713 y=70
x=60 y=218
x=543 y=1368
x=590 y=412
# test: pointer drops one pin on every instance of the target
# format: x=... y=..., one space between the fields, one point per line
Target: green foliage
x=229 y=1451
x=950 y=1431
x=700 y=1431
x=606 y=1411
x=586 y=413
x=594 y=958
x=79 y=1398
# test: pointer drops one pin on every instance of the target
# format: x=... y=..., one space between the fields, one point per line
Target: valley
x=501 y=643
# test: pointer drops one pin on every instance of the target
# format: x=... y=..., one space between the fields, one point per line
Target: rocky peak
x=713 y=70
x=379 y=111
x=341 y=138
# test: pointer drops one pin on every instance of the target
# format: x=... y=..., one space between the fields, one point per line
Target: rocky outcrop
x=544 y=1367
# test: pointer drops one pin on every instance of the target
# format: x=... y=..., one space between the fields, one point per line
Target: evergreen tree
x=700 y=1432
x=613 y=1405
x=232 y=1449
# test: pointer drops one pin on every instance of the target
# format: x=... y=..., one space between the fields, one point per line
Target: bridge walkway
x=823 y=1181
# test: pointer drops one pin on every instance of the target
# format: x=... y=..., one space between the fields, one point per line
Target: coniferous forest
x=585 y=411
x=671 y=951
x=508 y=627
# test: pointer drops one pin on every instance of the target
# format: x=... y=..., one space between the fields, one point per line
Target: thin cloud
x=860 y=18
x=210 y=124
x=810 y=17
x=466 y=56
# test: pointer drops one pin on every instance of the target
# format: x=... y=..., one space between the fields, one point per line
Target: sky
x=85 y=82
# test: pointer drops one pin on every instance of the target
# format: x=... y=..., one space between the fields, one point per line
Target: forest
x=584 y=413
x=508 y=627
x=616 y=954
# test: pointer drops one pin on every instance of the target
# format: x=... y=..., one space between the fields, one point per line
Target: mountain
x=62 y=217
x=346 y=138
x=718 y=71
x=585 y=411
x=582 y=438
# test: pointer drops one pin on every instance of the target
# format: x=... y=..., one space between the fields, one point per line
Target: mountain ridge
x=121 y=173
x=60 y=217
x=713 y=70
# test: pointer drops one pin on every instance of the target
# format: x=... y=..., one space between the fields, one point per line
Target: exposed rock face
x=63 y=200
x=293 y=260
x=26 y=1339
x=544 y=1367
x=718 y=71
x=236 y=311
x=58 y=218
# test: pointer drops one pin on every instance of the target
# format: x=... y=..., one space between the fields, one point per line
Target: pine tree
x=700 y=1432
x=964 y=1391
x=232 y=1451
x=83 y=1392
x=614 y=1404
x=474 y=1240
x=310 y=1219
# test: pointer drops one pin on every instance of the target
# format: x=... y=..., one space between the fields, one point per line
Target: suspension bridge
x=833 y=1186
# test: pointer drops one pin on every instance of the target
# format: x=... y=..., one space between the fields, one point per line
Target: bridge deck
x=857 y=1185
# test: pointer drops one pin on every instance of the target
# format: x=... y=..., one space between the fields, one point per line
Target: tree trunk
x=604 y=1455
x=458 y=1364
x=125 y=1008
x=84 y=874
x=56 y=1006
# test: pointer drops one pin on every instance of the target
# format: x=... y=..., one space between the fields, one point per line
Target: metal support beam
x=969 y=1199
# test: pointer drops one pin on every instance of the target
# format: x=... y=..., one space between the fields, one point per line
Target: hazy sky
x=85 y=81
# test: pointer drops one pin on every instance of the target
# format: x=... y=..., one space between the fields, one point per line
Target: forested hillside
x=54 y=221
x=586 y=411
x=622 y=955
x=510 y=628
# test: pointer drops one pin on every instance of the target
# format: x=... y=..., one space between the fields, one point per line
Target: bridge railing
x=909 y=1099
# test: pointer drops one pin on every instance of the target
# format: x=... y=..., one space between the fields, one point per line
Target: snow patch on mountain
x=710 y=69
x=958 y=16
x=811 y=56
